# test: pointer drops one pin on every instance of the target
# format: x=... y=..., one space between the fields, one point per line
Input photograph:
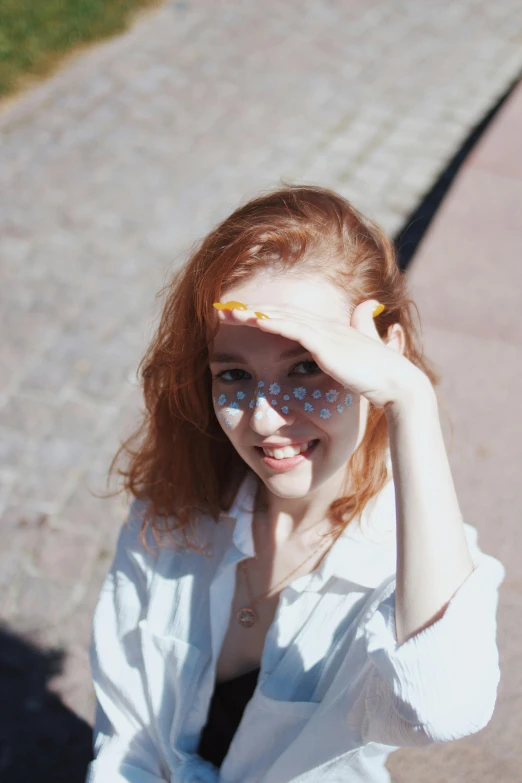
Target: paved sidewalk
x=116 y=165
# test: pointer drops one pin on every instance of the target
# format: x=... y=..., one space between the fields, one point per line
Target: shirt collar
x=363 y=555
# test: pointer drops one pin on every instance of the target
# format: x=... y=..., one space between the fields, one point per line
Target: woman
x=295 y=594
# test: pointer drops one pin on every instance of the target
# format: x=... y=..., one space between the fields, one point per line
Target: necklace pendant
x=246 y=617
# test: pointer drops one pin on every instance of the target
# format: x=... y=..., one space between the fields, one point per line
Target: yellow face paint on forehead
x=313 y=396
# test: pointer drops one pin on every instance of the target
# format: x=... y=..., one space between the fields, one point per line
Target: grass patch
x=35 y=35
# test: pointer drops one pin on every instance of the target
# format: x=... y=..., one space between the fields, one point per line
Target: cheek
x=319 y=399
x=229 y=418
x=233 y=411
x=231 y=406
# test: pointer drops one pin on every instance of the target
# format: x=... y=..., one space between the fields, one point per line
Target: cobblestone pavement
x=117 y=164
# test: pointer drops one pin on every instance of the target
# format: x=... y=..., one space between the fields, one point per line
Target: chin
x=289 y=487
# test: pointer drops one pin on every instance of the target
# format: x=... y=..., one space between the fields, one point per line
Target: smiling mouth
x=287 y=452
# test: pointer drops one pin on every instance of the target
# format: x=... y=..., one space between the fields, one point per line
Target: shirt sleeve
x=441 y=684
x=125 y=747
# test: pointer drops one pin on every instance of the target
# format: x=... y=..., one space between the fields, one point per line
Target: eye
x=231 y=376
x=308 y=368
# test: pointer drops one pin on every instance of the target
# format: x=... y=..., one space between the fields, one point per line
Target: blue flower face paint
x=286 y=399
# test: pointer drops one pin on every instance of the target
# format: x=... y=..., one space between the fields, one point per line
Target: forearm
x=433 y=558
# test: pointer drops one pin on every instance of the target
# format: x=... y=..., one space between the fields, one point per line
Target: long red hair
x=179 y=460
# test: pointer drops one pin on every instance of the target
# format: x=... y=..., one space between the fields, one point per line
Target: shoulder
x=146 y=546
x=130 y=538
x=137 y=544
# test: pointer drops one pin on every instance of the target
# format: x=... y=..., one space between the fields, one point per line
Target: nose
x=266 y=419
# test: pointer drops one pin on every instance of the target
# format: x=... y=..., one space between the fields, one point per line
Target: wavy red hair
x=179 y=460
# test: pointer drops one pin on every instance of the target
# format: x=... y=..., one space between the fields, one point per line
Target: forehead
x=312 y=293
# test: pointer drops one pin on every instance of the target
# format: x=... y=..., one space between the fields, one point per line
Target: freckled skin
x=290 y=400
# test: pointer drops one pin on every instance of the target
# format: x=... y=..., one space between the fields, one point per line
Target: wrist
x=417 y=395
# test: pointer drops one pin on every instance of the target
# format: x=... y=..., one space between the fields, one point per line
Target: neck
x=299 y=521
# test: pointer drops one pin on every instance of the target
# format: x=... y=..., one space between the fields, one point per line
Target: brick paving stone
x=113 y=167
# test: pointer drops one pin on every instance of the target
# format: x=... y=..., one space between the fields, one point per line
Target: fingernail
x=378 y=310
x=230 y=306
x=261 y=315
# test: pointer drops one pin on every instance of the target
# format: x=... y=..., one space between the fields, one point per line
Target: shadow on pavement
x=410 y=235
x=40 y=738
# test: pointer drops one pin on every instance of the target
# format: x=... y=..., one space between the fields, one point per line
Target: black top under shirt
x=226 y=710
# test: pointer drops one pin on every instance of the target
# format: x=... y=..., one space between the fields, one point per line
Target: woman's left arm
x=433 y=558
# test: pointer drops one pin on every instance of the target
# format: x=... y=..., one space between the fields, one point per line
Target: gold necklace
x=247 y=616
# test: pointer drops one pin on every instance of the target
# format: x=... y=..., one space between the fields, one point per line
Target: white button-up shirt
x=335 y=694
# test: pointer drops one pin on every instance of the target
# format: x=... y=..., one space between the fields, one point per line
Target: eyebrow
x=225 y=358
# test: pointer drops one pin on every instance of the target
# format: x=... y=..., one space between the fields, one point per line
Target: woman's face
x=273 y=401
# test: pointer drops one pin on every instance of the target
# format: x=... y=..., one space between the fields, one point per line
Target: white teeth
x=287 y=451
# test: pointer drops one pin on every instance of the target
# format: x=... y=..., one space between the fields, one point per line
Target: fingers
x=248 y=316
x=251 y=315
x=293 y=327
x=363 y=318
